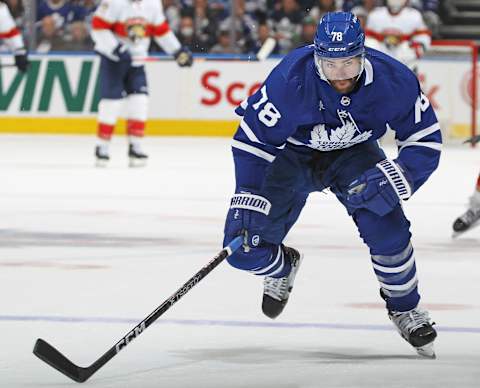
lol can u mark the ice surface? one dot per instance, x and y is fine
(87, 253)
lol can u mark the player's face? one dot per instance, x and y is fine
(341, 73)
(338, 69)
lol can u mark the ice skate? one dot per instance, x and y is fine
(277, 290)
(137, 158)
(101, 156)
(415, 327)
(467, 220)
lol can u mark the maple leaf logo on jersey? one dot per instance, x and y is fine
(345, 136)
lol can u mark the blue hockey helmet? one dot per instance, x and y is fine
(339, 36)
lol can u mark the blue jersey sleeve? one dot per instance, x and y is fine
(418, 136)
(264, 128)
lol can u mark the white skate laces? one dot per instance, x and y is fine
(277, 288)
(276, 291)
(416, 328)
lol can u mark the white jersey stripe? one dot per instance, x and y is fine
(253, 150)
(273, 264)
(420, 134)
(248, 131)
(432, 145)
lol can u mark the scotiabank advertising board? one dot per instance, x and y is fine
(67, 87)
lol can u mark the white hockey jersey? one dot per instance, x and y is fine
(9, 32)
(132, 23)
(403, 36)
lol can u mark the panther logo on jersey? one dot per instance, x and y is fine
(136, 27)
(345, 136)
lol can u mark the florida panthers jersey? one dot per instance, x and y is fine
(132, 23)
(403, 36)
(294, 105)
(8, 29)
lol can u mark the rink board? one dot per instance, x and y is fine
(60, 95)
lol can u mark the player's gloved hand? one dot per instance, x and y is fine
(184, 57)
(21, 60)
(380, 188)
(247, 216)
(121, 54)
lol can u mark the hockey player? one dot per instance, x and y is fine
(471, 217)
(314, 124)
(122, 30)
(13, 38)
(399, 31)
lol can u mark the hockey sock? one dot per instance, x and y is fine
(104, 131)
(135, 128)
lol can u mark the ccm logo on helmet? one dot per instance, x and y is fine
(337, 49)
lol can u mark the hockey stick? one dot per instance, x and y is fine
(57, 360)
(7, 65)
(473, 140)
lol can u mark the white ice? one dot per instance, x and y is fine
(87, 253)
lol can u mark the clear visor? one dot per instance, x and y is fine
(336, 69)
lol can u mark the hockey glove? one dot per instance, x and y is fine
(121, 54)
(183, 57)
(247, 216)
(380, 188)
(21, 60)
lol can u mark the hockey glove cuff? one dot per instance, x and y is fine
(183, 57)
(247, 216)
(21, 60)
(380, 188)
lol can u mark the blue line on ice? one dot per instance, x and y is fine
(206, 322)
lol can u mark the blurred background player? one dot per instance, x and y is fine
(398, 30)
(471, 217)
(306, 130)
(12, 37)
(122, 31)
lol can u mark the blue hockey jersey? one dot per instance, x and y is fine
(294, 105)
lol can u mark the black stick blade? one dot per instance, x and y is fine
(47, 353)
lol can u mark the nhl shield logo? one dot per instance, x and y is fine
(345, 101)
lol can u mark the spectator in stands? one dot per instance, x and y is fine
(321, 7)
(263, 33)
(245, 27)
(172, 13)
(256, 9)
(363, 9)
(62, 26)
(287, 24)
(224, 45)
(187, 36)
(205, 22)
(309, 27)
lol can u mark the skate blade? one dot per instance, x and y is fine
(427, 351)
(102, 163)
(135, 162)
